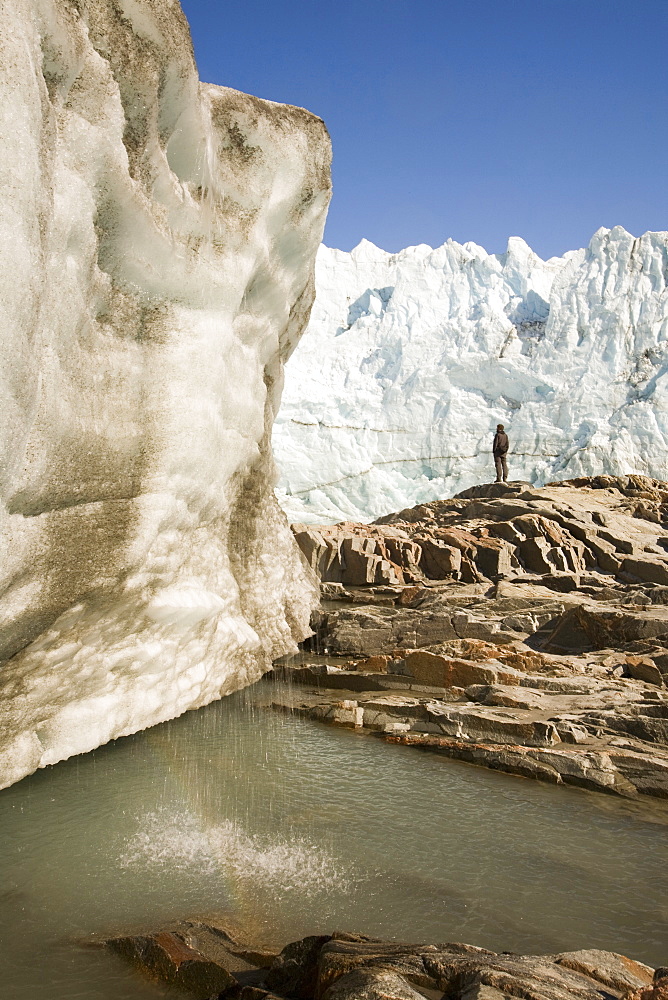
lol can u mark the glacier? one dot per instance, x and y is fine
(157, 243)
(411, 359)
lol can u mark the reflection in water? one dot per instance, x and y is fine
(282, 827)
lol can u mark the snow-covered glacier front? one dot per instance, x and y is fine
(157, 239)
(411, 359)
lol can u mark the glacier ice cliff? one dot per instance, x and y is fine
(157, 241)
(411, 359)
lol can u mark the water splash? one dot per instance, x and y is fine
(176, 839)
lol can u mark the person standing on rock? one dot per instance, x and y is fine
(500, 450)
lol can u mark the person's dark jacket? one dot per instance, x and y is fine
(500, 446)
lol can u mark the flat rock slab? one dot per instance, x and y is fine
(602, 733)
(612, 770)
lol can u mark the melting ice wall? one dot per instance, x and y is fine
(157, 239)
(412, 359)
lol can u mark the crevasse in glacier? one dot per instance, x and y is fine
(411, 359)
(157, 238)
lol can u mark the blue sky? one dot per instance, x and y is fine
(471, 119)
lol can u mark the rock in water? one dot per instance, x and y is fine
(346, 966)
(158, 238)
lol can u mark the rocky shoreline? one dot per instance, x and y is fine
(519, 629)
(206, 962)
(516, 628)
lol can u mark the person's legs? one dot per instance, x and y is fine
(505, 468)
(499, 462)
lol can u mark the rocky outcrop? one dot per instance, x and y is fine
(556, 668)
(158, 238)
(352, 966)
(561, 532)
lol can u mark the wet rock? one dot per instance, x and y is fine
(347, 953)
(221, 947)
(196, 958)
(167, 957)
(239, 992)
(295, 971)
(612, 770)
(647, 773)
(658, 991)
(344, 966)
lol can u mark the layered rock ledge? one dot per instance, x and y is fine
(522, 629)
(207, 962)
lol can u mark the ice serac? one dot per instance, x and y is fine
(411, 359)
(157, 240)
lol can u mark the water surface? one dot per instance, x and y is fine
(283, 827)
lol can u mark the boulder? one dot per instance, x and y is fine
(363, 561)
(643, 668)
(165, 956)
(295, 971)
(493, 557)
(463, 972)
